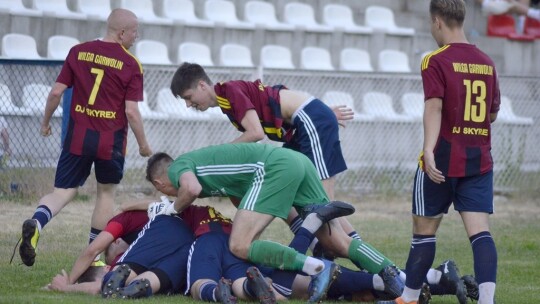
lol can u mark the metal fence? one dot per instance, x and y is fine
(381, 149)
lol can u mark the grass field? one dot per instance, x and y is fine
(385, 223)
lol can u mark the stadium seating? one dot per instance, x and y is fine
(505, 26)
(58, 8)
(16, 7)
(276, 57)
(195, 52)
(224, 11)
(355, 60)
(147, 112)
(19, 46)
(506, 114)
(184, 11)
(58, 46)
(532, 27)
(379, 105)
(382, 18)
(393, 61)
(99, 9)
(315, 58)
(341, 16)
(302, 15)
(152, 52)
(235, 55)
(336, 98)
(144, 9)
(264, 13)
(35, 97)
(7, 107)
(413, 105)
(176, 107)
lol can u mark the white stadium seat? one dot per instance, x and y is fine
(183, 11)
(341, 16)
(35, 97)
(393, 61)
(223, 11)
(355, 60)
(58, 46)
(19, 46)
(302, 15)
(336, 98)
(144, 9)
(235, 55)
(315, 58)
(264, 13)
(506, 114)
(379, 105)
(7, 107)
(16, 7)
(195, 53)
(100, 9)
(276, 57)
(147, 112)
(413, 105)
(382, 18)
(58, 8)
(152, 52)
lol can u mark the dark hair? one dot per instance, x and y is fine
(156, 165)
(186, 77)
(451, 11)
(91, 274)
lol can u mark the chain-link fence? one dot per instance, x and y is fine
(381, 150)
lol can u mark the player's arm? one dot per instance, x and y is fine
(252, 126)
(136, 125)
(189, 190)
(53, 100)
(432, 127)
(342, 113)
(492, 117)
(61, 283)
(102, 241)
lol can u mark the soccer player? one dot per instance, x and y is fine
(269, 181)
(305, 124)
(107, 83)
(462, 99)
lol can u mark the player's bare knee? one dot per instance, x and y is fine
(238, 248)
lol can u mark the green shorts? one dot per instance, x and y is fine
(287, 179)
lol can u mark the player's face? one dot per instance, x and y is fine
(197, 97)
(129, 35)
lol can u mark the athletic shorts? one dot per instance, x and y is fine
(210, 258)
(473, 193)
(73, 170)
(287, 179)
(162, 244)
(317, 136)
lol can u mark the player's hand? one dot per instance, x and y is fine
(45, 130)
(145, 151)
(431, 170)
(156, 208)
(168, 207)
(343, 113)
(59, 282)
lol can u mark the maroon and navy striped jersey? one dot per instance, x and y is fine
(466, 80)
(236, 97)
(103, 76)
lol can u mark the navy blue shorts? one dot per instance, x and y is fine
(210, 258)
(473, 193)
(73, 170)
(317, 137)
(163, 244)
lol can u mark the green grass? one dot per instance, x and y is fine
(385, 224)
